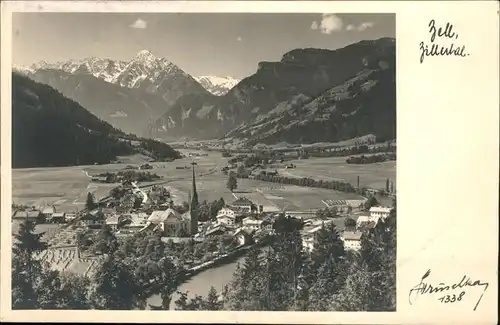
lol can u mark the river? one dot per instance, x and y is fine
(200, 283)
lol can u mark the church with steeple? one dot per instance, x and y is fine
(194, 206)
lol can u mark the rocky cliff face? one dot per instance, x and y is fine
(319, 84)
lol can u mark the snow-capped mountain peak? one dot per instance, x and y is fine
(145, 71)
(145, 67)
(145, 54)
(21, 69)
(217, 85)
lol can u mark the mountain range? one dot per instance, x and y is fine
(129, 95)
(310, 95)
(218, 86)
(49, 129)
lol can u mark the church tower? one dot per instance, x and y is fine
(193, 206)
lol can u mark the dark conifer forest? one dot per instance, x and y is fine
(49, 129)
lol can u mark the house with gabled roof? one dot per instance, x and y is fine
(244, 205)
(366, 222)
(352, 240)
(31, 215)
(48, 211)
(169, 222)
(381, 212)
(226, 216)
(244, 236)
(58, 217)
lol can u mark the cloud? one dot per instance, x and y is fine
(332, 23)
(238, 39)
(361, 27)
(329, 23)
(365, 25)
(139, 24)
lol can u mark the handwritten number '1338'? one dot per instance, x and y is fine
(450, 299)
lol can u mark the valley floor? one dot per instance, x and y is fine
(67, 187)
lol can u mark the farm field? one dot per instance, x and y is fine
(335, 168)
(274, 197)
(64, 187)
(67, 187)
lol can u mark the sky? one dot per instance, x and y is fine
(220, 44)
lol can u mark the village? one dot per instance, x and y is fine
(131, 210)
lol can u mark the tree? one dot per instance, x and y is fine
(387, 185)
(350, 223)
(378, 250)
(371, 202)
(115, 287)
(64, 291)
(215, 207)
(169, 281)
(328, 245)
(252, 284)
(182, 302)
(111, 178)
(355, 295)
(212, 301)
(290, 260)
(232, 182)
(137, 202)
(241, 170)
(26, 269)
(117, 192)
(329, 281)
(106, 242)
(90, 204)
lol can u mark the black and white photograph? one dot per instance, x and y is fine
(203, 161)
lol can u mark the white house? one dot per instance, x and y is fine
(58, 217)
(309, 237)
(226, 216)
(352, 240)
(137, 222)
(244, 236)
(48, 211)
(381, 212)
(367, 220)
(256, 224)
(70, 216)
(244, 205)
(308, 242)
(112, 221)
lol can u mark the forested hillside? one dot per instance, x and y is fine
(49, 129)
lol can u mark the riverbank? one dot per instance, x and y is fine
(199, 279)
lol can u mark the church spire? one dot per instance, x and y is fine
(194, 182)
(193, 207)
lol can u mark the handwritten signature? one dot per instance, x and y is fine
(423, 288)
(435, 49)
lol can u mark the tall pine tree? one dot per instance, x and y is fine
(26, 269)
